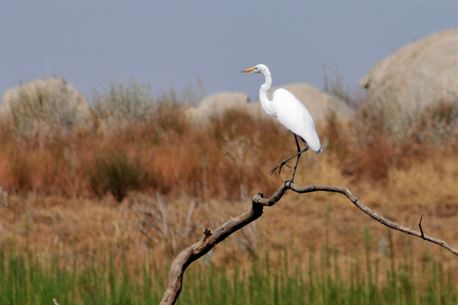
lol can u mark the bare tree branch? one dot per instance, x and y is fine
(391, 224)
(210, 239)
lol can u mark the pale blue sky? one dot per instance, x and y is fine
(176, 44)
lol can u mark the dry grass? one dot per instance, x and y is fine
(174, 155)
(62, 187)
(87, 228)
(135, 142)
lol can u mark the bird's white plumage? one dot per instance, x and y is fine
(287, 109)
(292, 114)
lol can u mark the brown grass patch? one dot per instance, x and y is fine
(62, 187)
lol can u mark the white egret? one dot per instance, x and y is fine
(291, 113)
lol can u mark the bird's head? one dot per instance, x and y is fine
(256, 69)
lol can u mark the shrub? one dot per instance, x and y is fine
(116, 173)
(44, 105)
(437, 124)
(21, 173)
(123, 104)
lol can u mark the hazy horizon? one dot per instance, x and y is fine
(176, 45)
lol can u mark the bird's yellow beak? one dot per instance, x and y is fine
(249, 70)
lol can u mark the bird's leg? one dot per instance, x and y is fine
(297, 158)
(282, 163)
(285, 161)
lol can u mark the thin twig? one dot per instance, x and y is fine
(164, 216)
(188, 225)
(421, 229)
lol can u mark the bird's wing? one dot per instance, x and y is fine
(292, 114)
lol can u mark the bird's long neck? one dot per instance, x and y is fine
(264, 90)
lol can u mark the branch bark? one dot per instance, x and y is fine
(210, 238)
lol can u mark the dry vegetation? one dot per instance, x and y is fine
(144, 179)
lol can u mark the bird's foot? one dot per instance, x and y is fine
(288, 183)
(279, 167)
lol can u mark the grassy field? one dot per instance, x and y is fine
(142, 180)
(366, 280)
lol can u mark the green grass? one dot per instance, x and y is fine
(24, 280)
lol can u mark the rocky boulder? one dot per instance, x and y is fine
(417, 75)
(319, 103)
(217, 104)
